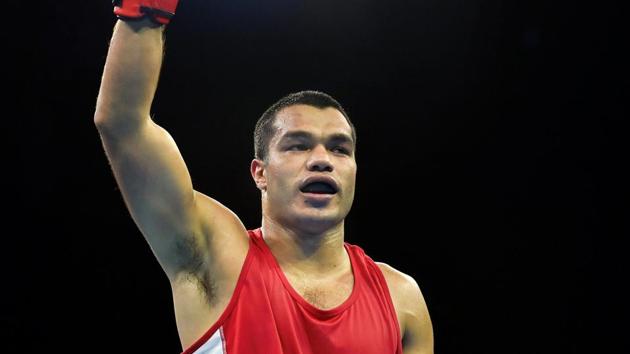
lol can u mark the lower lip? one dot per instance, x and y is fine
(318, 196)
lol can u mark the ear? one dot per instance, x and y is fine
(257, 169)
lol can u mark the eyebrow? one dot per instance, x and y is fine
(304, 135)
(340, 138)
(298, 134)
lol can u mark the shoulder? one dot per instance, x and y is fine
(395, 276)
(404, 289)
(220, 224)
(411, 309)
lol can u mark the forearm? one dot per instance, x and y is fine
(131, 74)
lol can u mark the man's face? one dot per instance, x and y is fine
(309, 176)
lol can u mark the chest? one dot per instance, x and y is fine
(364, 328)
(323, 294)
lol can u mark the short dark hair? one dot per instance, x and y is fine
(264, 130)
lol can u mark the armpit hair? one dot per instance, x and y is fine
(193, 266)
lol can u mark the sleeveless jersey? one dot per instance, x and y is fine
(267, 316)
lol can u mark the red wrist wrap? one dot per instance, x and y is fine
(160, 11)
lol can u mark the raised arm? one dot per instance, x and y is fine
(185, 229)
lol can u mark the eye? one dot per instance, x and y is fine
(297, 147)
(341, 150)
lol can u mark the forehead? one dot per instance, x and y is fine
(320, 122)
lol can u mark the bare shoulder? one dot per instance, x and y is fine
(411, 309)
(223, 231)
(399, 283)
(404, 289)
(219, 222)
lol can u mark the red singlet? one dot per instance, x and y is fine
(267, 316)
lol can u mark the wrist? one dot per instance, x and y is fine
(138, 24)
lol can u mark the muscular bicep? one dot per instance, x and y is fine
(158, 192)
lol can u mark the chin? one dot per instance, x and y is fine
(317, 221)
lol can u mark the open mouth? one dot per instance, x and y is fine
(319, 188)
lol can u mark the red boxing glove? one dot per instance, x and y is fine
(160, 11)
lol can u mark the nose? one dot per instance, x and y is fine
(319, 160)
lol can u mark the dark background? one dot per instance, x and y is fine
(491, 153)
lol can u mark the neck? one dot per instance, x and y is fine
(306, 252)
